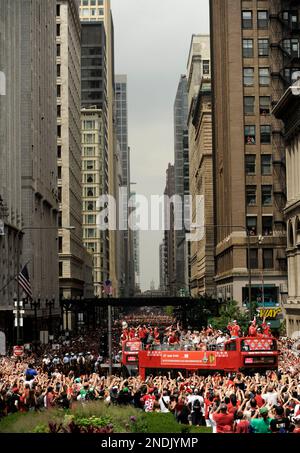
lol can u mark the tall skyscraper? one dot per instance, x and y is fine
(28, 172)
(121, 115)
(162, 264)
(169, 234)
(249, 167)
(94, 103)
(181, 169)
(93, 163)
(72, 255)
(200, 158)
(94, 13)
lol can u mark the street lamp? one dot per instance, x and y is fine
(50, 304)
(21, 231)
(34, 305)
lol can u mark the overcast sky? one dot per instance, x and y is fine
(152, 41)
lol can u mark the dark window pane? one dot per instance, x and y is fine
(267, 225)
(248, 48)
(266, 195)
(250, 135)
(250, 161)
(251, 224)
(268, 259)
(249, 105)
(247, 20)
(265, 134)
(262, 19)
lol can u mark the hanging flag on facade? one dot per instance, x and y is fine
(24, 282)
(108, 287)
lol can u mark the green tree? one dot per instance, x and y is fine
(228, 312)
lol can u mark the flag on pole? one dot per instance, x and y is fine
(108, 287)
(24, 282)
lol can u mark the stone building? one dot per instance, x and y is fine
(248, 151)
(200, 161)
(288, 110)
(71, 250)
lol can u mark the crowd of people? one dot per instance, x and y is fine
(232, 403)
(205, 339)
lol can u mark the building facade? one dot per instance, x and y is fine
(248, 152)
(121, 116)
(169, 234)
(288, 110)
(28, 173)
(95, 13)
(181, 169)
(71, 251)
(10, 152)
(200, 162)
(93, 186)
(162, 264)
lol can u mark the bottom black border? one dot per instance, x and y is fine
(85, 443)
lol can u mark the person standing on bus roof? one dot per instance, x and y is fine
(266, 328)
(253, 329)
(235, 330)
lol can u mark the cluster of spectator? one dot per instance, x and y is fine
(205, 339)
(232, 403)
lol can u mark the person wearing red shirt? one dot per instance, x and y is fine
(156, 335)
(148, 401)
(235, 329)
(132, 333)
(266, 329)
(125, 335)
(241, 425)
(173, 339)
(259, 399)
(253, 329)
(223, 419)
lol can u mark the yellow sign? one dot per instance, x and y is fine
(269, 312)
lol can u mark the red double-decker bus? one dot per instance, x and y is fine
(246, 354)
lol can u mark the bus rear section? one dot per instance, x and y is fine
(258, 354)
(130, 357)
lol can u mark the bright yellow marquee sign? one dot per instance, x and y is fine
(269, 312)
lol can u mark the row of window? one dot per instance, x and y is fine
(248, 48)
(263, 76)
(266, 224)
(91, 2)
(262, 19)
(265, 134)
(85, 12)
(266, 195)
(267, 259)
(291, 47)
(265, 164)
(264, 105)
(89, 124)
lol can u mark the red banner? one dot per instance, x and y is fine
(191, 358)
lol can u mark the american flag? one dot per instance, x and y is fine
(23, 280)
(108, 287)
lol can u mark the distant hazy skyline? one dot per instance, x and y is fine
(152, 41)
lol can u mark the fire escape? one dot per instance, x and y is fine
(285, 69)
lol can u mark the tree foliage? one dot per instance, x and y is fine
(228, 312)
